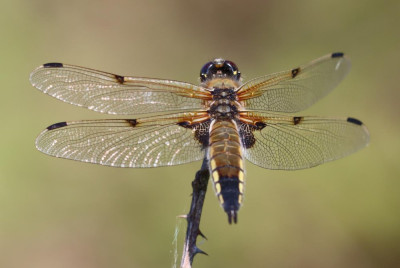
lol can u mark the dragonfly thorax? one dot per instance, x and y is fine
(224, 105)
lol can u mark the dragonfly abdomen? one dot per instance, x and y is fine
(226, 165)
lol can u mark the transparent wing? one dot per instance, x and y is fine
(301, 142)
(115, 94)
(296, 89)
(147, 142)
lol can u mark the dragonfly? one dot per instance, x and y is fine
(222, 120)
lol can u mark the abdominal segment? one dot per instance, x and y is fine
(226, 165)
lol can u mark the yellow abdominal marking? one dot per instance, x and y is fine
(213, 164)
(221, 199)
(241, 187)
(215, 176)
(217, 187)
(241, 164)
(241, 175)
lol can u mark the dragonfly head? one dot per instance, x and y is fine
(219, 68)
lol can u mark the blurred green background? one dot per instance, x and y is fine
(59, 213)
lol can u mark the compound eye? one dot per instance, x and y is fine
(231, 64)
(233, 69)
(204, 72)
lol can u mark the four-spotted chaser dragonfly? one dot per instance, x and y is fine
(221, 118)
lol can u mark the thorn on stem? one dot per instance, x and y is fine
(197, 250)
(202, 235)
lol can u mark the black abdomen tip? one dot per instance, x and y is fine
(337, 55)
(232, 216)
(53, 65)
(354, 121)
(57, 125)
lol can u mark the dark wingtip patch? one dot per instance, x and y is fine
(120, 79)
(295, 72)
(53, 65)
(297, 120)
(337, 55)
(132, 122)
(354, 121)
(57, 125)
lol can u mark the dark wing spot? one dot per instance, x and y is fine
(260, 125)
(201, 131)
(337, 55)
(295, 72)
(132, 122)
(53, 65)
(185, 124)
(120, 79)
(297, 120)
(246, 133)
(57, 125)
(354, 121)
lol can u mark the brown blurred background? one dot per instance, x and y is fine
(58, 213)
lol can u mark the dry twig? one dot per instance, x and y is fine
(199, 186)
